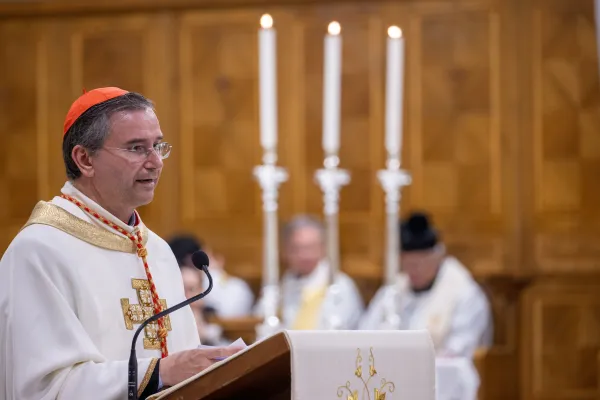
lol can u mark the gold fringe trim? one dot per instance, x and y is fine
(147, 376)
(46, 213)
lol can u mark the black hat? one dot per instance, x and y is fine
(416, 233)
(184, 246)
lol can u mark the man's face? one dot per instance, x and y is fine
(124, 177)
(421, 266)
(304, 250)
(192, 283)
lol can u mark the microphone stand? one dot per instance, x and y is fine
(132, 385)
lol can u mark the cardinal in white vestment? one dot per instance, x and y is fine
(231, 297)
(436, 292)
(308, 303)
(85, 271)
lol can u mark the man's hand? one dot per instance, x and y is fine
(178, 367)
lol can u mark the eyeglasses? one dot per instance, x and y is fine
(140, 153)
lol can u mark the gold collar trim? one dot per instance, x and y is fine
(46, 213)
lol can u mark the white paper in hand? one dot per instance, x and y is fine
(238, 343)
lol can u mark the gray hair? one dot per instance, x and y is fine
(92, 127)
(299, 222)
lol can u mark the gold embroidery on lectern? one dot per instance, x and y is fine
(379, 393)
(135, 314)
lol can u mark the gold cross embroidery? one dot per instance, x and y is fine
(138, 313)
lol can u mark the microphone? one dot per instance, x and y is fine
(200, 261)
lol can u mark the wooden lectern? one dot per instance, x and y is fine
(303, 365)
(261, 372)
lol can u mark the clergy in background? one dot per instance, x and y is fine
(210, 334)
(306, 302)
(437, 293)
(85, 271)
(231, 297)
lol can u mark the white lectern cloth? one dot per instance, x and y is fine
(346, 364)
(355, 365)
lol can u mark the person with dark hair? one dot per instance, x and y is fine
(84, 271)
(183, 246)
(437, 293)
(231, 297)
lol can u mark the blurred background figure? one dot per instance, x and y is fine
(210, 334)
(437, 293)
(305, 300)
(231, 297)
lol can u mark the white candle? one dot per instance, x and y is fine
(332, 89)
(394, 91)
(268, 86)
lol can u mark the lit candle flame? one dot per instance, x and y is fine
(394, 32)
(266, 21)
(334, 28)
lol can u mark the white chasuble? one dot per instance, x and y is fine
(72, 293)
(307, 304)
(455, 311)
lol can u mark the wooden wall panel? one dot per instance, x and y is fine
(566, 145)
(561, 323)
(361, 147)
(502, 114)
(559, 310)
(456, 151)
(219, 200)
(452, 127)
(21, 123)
(86, 53)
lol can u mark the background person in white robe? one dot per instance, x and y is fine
(231, 297)
(210, 334)
(306, 304)
(436, 293)
(71, 282)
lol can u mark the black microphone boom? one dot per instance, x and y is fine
(200, 260)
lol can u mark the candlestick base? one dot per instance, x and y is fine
(269, 177)
(269, 327)
(331, 179)
(271, 323)
(392, 180)
(391, 319)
